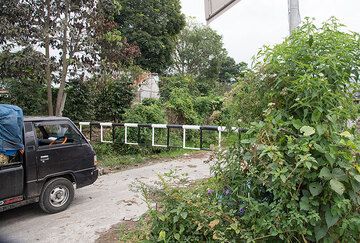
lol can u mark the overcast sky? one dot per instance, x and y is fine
(252, 23)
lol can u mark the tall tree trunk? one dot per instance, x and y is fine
(48, 62)
(61, 96)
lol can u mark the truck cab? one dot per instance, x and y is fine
(55, 159)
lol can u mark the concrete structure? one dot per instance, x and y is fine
(147, 86)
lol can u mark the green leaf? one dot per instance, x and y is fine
(357, 178)
(304, 203)
(315, 188)
(184, 215)
(330, 159)
(319, 148)
(283, 178)
(346, 134)
(177, 236)
(308, 164)
(307, 131)
(162, 235)
(320, 232)
(320, 129)
(315, 117)
(325, 173)
(297, 123)
(339, 174)
(330, 218)
(337, 186)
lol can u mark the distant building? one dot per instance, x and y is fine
(147, 86)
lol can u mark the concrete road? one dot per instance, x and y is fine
(95, 208)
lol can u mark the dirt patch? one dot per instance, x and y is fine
(112, 235)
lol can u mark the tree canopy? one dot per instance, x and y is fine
(153, 25)
(200, 52)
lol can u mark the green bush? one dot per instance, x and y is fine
(295, 175)
(113, 98)
(180, 107)
(205, 106)
(245, 102)
(148, 112)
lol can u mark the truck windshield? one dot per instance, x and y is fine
(56, 134)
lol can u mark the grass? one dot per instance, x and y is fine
(124, 157)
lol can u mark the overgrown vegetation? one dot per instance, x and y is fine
(118, 159)
(295, 174)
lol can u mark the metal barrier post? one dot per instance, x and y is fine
(102, 125)
(126, 125)
(189, 127)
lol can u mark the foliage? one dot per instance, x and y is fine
(184, 102)
(83, 34)
(15, 26)
(180, 108)
(153, 25)
(114, 97)
(179, 216)
(230, 71)
(150, 111)
(200, 53)
(80, 101)
(112, 157)
(22, 75)
(209, 108)
(295, 175)
(245, 102)
(170, 83)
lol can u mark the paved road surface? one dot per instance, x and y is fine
(95, 208)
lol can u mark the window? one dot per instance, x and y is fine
(56, 134)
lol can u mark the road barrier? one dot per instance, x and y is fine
(154, 127)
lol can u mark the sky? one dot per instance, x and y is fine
(253, 23)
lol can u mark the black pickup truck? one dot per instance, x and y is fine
(55, 158)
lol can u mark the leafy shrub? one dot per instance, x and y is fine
(148, 112)
(245, 102)
(180, 107)
(205, 106)
(168, 84)
(295, 175)
(114, 96)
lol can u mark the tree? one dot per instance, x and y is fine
(230, 71)
(79, 32)
(80, 105)
(15, 27)
(153, 25)
(113, 98)
(199, 52)
(22, 75)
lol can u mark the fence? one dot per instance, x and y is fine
(103, 125)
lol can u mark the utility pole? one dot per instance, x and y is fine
(294, 14)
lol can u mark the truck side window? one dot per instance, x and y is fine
(56, 134)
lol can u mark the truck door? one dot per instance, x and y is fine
(59, 150)
(11, 178)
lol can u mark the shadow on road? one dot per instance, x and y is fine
(21, 212)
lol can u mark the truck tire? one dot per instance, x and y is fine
(57, 195)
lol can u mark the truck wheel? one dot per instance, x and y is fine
(57, 195)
